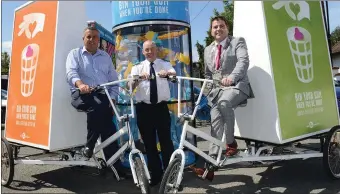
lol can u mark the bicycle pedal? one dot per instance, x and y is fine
(208, 175)
(230, 157)
(115, 172)
(205, 173)
(238, 154)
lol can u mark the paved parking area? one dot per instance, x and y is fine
(294, 176)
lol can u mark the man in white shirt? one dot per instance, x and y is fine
(152, 111)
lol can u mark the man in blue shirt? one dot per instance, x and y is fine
(87, 67)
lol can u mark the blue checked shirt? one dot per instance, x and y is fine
(92, 70)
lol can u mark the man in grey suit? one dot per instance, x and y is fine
(226, 61)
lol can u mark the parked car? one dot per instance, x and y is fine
(3, 105)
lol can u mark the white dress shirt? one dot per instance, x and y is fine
(143, 89)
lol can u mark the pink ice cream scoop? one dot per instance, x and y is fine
(298, 35)
(29, 52)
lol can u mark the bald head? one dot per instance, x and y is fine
(149, 43)
(150, 50)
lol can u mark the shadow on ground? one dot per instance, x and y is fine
(294, 176)
(76, 180)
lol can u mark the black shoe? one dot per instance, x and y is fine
(180, 188)
(87, 152)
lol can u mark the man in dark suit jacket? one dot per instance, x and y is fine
(226, 60)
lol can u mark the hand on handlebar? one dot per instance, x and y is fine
(163, 74)
(84, 88)
(227, 81)
(168, 75)
(144, 76)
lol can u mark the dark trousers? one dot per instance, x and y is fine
(99, 120)
(152, 119)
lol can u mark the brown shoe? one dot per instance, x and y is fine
(200, 171)
(231, 149)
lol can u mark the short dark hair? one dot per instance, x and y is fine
(91, 28)
(219, 18)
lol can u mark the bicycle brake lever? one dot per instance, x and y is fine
(171, 78)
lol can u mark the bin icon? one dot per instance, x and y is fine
(29, 63)
(300, 44)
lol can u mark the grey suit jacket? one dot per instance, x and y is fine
(234, 63)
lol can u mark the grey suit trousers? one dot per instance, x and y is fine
(223, 117)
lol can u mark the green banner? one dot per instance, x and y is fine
(301, 67)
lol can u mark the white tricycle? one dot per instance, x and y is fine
(256, 151)
(74, 157)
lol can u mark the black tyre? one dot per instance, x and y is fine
(170, 177)
(16, 150)
(7, 163)
(143, 182)
(331, 153)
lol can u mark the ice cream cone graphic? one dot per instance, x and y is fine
(300, 44)
(29, 63)
(300, 41)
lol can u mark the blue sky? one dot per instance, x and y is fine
(100, 11)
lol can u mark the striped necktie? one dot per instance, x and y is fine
(218, 58)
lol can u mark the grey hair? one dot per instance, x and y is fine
(91, 28)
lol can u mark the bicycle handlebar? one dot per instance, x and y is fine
(205, 81)
(104, 87)
(169, 77)
(172, 78)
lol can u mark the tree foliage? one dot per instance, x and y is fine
(5, 60)
(228, 14)
(200, 51)
(335, 36)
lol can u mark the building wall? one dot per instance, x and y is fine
(336, 65)
(336, 60)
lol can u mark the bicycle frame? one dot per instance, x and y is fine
(126, 129)
(101, 145)
(187, 128)
(252, 155)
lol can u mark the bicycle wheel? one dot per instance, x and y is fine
(7, 163)
(143, 182)
(331, 153)
(168, 184)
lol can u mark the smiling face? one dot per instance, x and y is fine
(91, 40)
(219, 30)
(150, 50)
